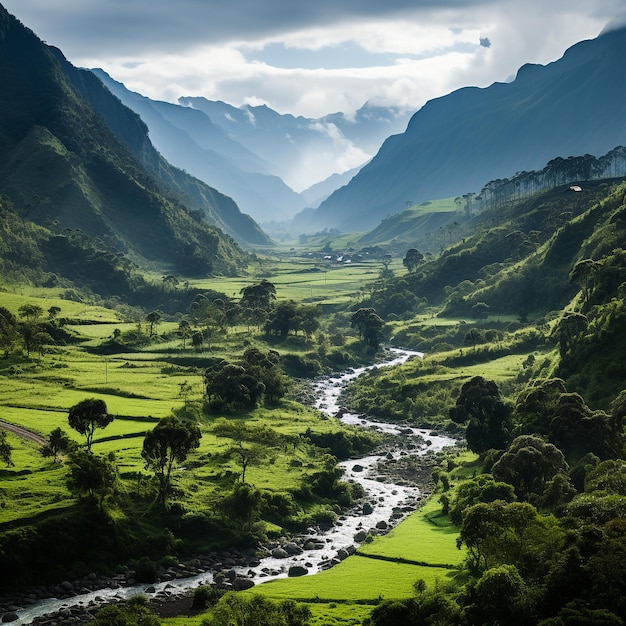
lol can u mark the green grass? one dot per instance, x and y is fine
(356, 578)
(14, 298)
(422, 547)
(426, 537)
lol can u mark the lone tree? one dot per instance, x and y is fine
(169, 443)
(91, 476)
(58, 443)
(412, 259)
(369, 325)
(87, 416)
(154, 319)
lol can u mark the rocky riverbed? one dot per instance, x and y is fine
(396, 478)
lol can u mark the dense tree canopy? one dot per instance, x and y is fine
(487, 416)
(369, 326)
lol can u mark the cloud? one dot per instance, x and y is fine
(312, 58)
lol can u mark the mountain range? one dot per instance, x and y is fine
(256, 155)
(457, 143)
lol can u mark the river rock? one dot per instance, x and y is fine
(280, 553)
(342, 554)
(297, 570)
(292, 548)
(361, 536)
(382, 525)
(367, 509)
(241, 584)
(10, 617)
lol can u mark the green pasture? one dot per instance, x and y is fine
(305, 279)
(49, 297)
(33, 486)
(425, 537)
(356, 578)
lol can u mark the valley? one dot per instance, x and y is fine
(403, 405)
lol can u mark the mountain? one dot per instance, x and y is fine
(318, 192)
(72, 156)
(456, 143)
(188, 139)
(303, 151)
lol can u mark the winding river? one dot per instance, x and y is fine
(387, 503)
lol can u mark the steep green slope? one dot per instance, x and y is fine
(62, 166)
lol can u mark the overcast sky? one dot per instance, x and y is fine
(312, 57)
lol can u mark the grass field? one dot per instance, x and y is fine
(345, 594)
(141, 387)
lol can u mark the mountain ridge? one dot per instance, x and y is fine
(456, 143)
(64, 167)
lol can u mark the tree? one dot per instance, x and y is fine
(154, 319)
(90, 476)
(247, 455)
(256, 610)
(87, 416)
(583, 273)
(8, 329)
(529, 464)
(167, 444)
(569, 328)
(135, 612)
(58, 443)
(185, 331)
(30, 312)
(482, 488)
(5, 449)
(487, 416)
(258, 296)
(233, 387)
(501, 597)
(29, 328)
(369, 326)
(412, 259)
(53, 312)
(514, 533)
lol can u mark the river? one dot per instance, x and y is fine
(387, 503)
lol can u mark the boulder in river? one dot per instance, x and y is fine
(241, 584)
(280, 553)
(297, 570)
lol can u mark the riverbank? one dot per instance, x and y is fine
(397, 479)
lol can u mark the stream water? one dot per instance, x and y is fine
(387, 502)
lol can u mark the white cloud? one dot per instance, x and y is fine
(412, 50)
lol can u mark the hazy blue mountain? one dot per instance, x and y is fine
(317, 193)
(303, 150)
(188, 138)
(457, 143)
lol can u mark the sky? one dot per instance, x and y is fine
(317, 56)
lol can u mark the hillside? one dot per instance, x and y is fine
(63, 167)
(188, 138)
(454, 144)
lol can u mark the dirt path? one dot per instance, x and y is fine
(24, 433)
